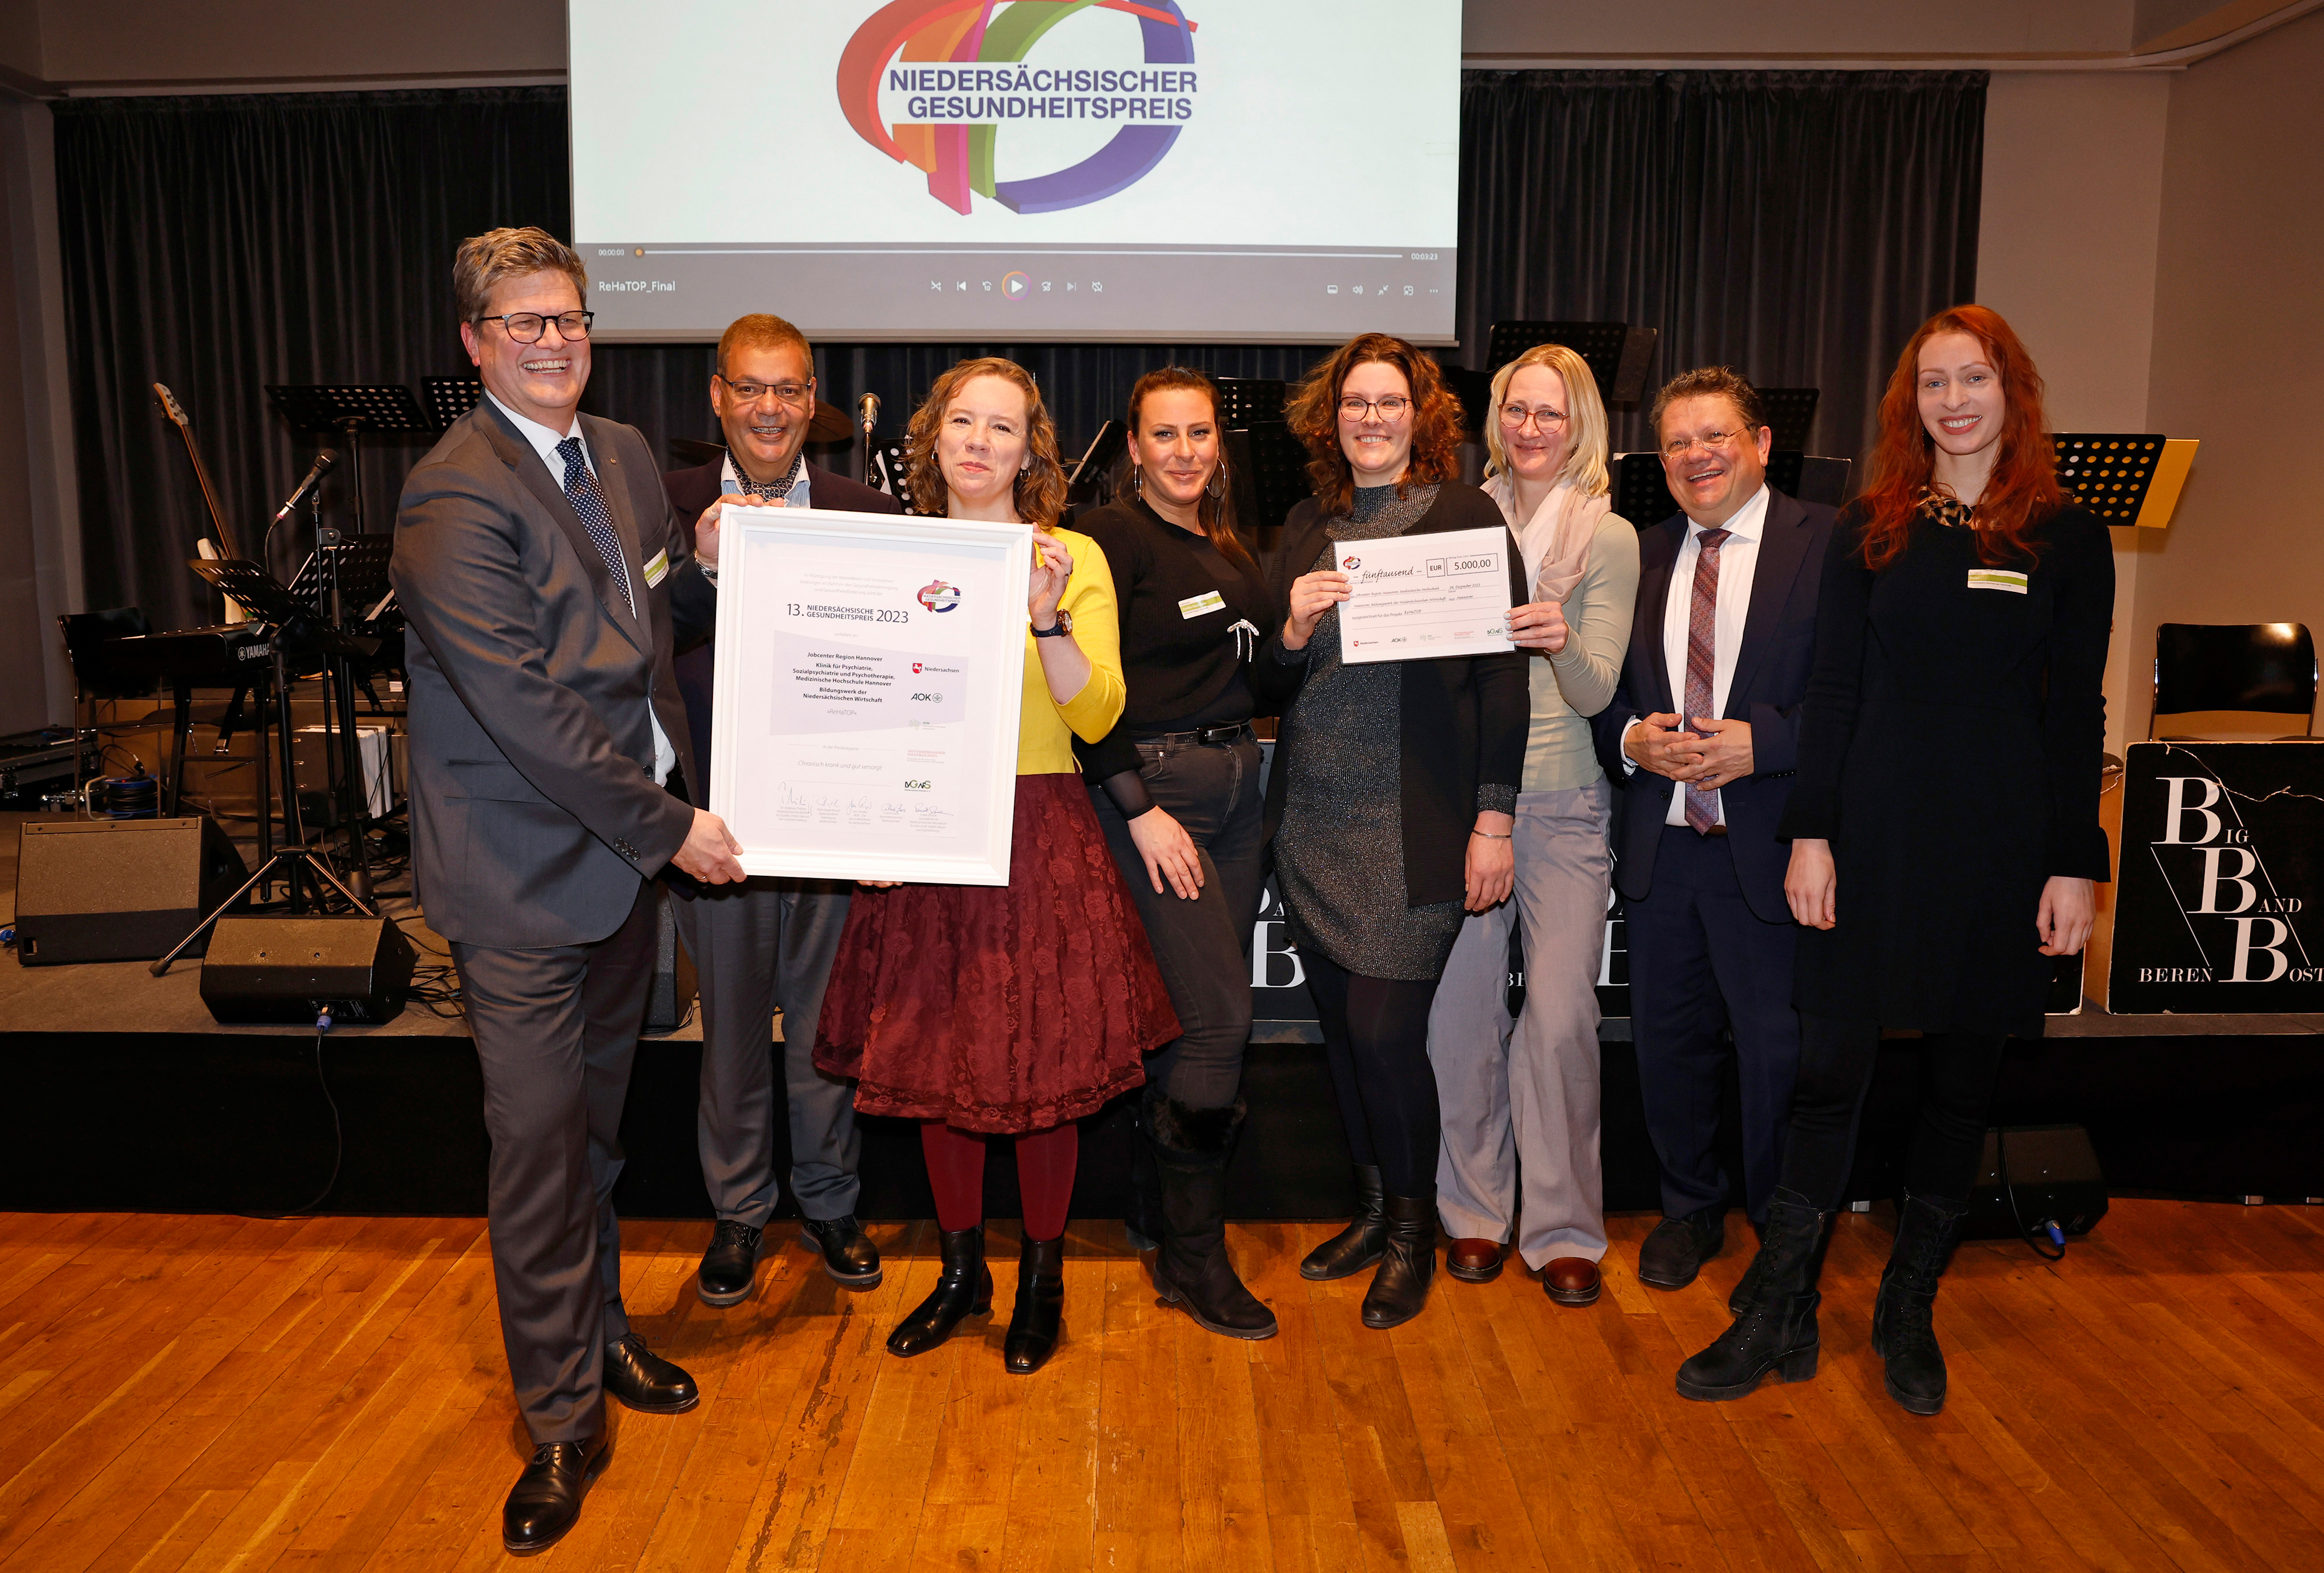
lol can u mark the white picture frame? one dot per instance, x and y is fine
(869, 673)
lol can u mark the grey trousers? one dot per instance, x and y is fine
(1520, 1097)
(763, 945)
(556, 1032)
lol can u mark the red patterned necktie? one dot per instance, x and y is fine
(1702, 660)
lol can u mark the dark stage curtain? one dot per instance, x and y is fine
(1796, 225)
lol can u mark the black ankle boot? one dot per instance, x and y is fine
(1776, 1329)
(1039, 1315)
(1903, 1324)
(1192, 1147)
(964, 1289)
(1357, 1246)
(1400, 1288)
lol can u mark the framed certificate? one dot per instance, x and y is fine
(1446, 594)
(869, 671)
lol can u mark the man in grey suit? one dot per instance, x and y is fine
(541, 567)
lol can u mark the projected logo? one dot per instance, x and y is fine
(934, 83)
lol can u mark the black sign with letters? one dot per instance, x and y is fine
(2219, 878)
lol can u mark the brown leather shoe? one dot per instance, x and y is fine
(1571, 1280)
(1474, 1261)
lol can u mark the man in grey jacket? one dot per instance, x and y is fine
(542, 570)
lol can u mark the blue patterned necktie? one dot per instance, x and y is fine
(581, 491)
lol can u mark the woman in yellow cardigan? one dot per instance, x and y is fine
(1012, 1010)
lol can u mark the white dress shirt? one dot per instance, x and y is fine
(544, 442)
(1739, 559)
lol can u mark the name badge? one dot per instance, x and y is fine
(1202, 605)
(1996, 579)
(657, 568)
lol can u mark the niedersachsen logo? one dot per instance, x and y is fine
(954, 70)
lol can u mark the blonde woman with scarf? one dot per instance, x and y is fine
(1520, 1096)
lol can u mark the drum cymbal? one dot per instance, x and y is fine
(829, 424)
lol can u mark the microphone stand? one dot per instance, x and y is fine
(867, 413)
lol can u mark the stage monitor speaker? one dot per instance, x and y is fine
(117, 890)
(286, 968)
(2051, 1172)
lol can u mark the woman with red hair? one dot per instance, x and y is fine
(1944, 826)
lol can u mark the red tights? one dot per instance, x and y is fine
(1045, 1176)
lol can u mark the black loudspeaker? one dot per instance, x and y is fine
(286, 968)
(117, 890)
(2049, 1173)
(672, 994)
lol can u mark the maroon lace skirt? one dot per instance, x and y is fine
(1003, 1009)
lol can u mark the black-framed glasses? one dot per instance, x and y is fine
(1545, 419)
(527, 326)
(1391, 408)
(797, 395)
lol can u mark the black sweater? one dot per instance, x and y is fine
(1182, 671)
(1464, 717)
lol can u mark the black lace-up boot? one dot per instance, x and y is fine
(1776, 1329)
(1903, 1325)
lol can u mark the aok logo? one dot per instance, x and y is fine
(931, 83)
(938, 596)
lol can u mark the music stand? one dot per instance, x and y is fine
(1247, 401)
(1093, 469)
(350, 410)
(1617, 353)
(2124, 478)
(1267, 468)
(450, 398)
(1791, 411)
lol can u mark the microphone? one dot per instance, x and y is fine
(323, 461)
(867, 413)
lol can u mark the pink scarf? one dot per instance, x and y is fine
(1556, 540)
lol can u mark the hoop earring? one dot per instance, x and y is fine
(1137, 481)
(1218, 483)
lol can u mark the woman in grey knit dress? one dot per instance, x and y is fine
(1391, 801)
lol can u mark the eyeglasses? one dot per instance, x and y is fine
(797, 395)
(1710, 442)
(1545, 419)
(527, 326)
(1391, 408)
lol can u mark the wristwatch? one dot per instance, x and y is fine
(1064, 625)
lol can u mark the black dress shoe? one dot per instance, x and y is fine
(546, 1500)
(729, 1265)
(1679, 1246)
(646, 1381)
(848, 1253)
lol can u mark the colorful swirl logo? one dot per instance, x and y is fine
(962, 63)
(938, 596)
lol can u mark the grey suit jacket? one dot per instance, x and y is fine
(534, 810)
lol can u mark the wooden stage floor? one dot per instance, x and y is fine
(217, 1392)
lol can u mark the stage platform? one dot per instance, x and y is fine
(213, 1393)
(136, 1099)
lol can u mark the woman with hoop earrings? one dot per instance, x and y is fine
(1175, 787)
(1012, 1011)
(1521, 1096)
(1392, 796)
(1944, 828)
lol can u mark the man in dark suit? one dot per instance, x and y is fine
(542, 570)
(767, 943)
(1701, 737)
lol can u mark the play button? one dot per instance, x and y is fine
(1016, 286)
